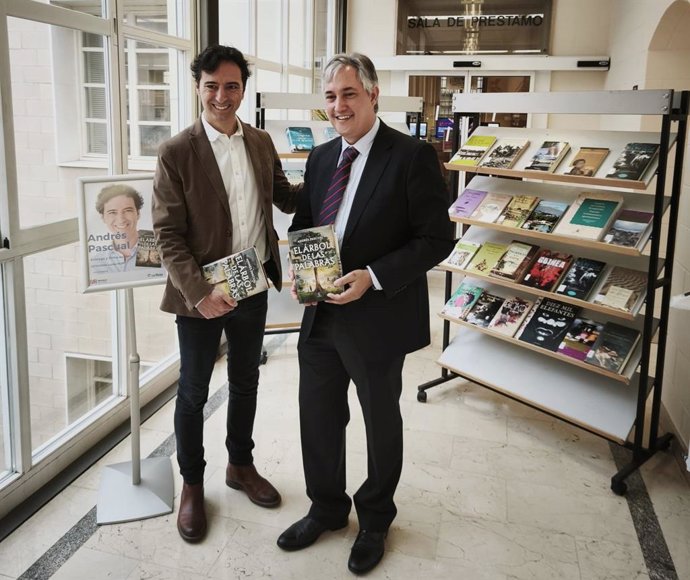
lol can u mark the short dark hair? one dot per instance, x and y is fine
(209, 59)
(111, 191)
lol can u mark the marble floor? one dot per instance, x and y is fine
(490, 489)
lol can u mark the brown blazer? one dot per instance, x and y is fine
(191, 214)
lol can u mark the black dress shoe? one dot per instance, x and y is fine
(304, 533)
(367, 551)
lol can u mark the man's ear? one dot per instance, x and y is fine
(374, 95)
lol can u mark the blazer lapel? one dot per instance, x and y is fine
(376, 163)
(202, 148)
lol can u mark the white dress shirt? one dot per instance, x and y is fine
(364, 147)
(248, 225)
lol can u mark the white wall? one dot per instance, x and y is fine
(622, 29)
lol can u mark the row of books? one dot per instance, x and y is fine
(546, 323)
(301, 139)
(551, 271)
(597, 215)
(488, 151)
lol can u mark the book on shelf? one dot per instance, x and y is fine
(545, 216)
(484, 309)
(634, 161)
(613, 348)
(581, 278)
(587, 161)
(590, 215)
(462, 300)
(238, 275)
(491, 207)
(462, 253)
(622, 288)
(505, 153)
(466, 203)
(515, 262)
(315, 258)
(631, 229)
(294, 176)
(486, 258)
(580, 338)
(547, 269)
(330, 133)
(547, 323)
(473, 150)
(147, 251)
(517, 211)
(300, 139)
(548, 156)
(510, 315)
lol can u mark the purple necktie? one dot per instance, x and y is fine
(336, 190)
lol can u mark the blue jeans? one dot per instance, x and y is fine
(199, 340)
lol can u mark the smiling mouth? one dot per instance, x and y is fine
(222, 108)
(343, 117)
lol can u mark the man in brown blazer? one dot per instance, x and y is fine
(214, 188)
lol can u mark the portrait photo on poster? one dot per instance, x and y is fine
(118, 249)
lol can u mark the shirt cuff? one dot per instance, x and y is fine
(374, 279)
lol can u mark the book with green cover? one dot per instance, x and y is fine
(315, 258)
(462, 300)
(300, 139)
(238, 275)
(590, 216)
(473, 151)
(486, 258)
(462, 254)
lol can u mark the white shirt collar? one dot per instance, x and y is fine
(212, 133)
(365, 142)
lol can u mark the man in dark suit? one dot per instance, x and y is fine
(392, 224)
(213, 192)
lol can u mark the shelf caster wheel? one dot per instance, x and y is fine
(421, 396)
(264, 358)
(619, 487)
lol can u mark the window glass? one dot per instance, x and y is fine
(68, 340)
(156, 333)
(152, 116)
(299, 47)
(60, 112)
(165, 16)
(93, 7)
(5, 450)
(234, 14)
(269, 36)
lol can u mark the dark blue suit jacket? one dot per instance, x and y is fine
(398, 226)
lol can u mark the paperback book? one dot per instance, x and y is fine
(330, 133)
(484, 310)
(580, 338)
(622, 289)
(515, 262)
(505, 154)
(548, 156)
(547, 269)
(466, 203)
(487, 257)
(634, 161)
(547, 323)
(300, 139)
(613, 348)
(462, 253)
(462, 301)
(590, 216)
(631, 229)
(147, 251)
(517, 211)
(474, 149)
(545, 216)
(239, 275)
(587, 161)
(491, 207)
(510, 315)
(315, 258)
(581, 278)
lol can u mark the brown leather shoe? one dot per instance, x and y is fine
(191, 518)
(258, 489)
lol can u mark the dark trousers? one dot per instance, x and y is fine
(199, 340)
(328, 359)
